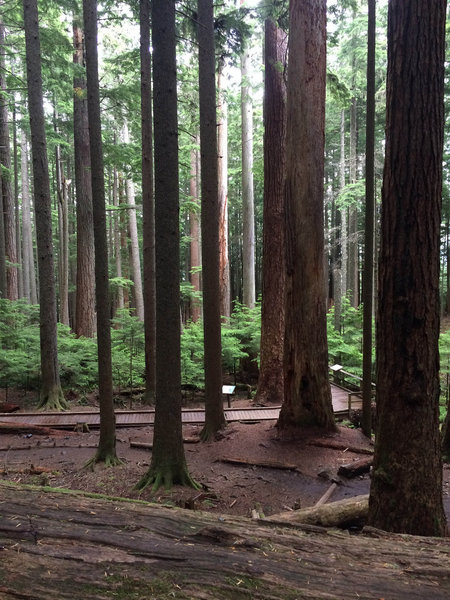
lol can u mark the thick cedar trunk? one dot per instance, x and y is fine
(307, 395)
(222, 174)
(50, 394)
(270, 383)
(248, 209)
(214, 415)
(9, 215)
(194, 222)
(65, 546)
(134, 242)
(406, 490)
(168, 464)
(85, 287)
(148, 212)
(106, 451)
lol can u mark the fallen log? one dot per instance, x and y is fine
(323, 499)
(358, 467)
(343, 513)
(149, 445)
(12, 427)
(340, 446)
(269, 464)
(61, 546)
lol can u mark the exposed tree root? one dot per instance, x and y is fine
(209, 434)
(166, 476)
(52, 400)
(108, 458)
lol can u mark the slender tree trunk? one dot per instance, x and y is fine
(148, 213)
(16, 204)
(195, 255)
(51, 396)
(63, 219)
(106, 451)
(27, 232)
(134, 243)
(214, 415)
(248, 210)
(168, 464)
(369, 224)
(353, 270)
(222, 174)
(85, 285)
(307, 395)
(341, 271)
(6, 179)
(270, 383)
(406, 485)
(2, 246)
(120, 301)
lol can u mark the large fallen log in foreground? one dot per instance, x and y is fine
(63, 546)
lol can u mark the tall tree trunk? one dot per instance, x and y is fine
(353, 270)
(307, 395)
(9, 214)
(51, 396)
(369, 224)
(222, 175)
(168, 464)
(341, 270)
(29, 271)
(2, 246)
(106, 451)
(214, 415)
(16, 204)
(148, 213)
(194, 222)
(63, 219)
(406, 485)
(119, 296)
(270, 383)
(248, 209)
(85, 285)
(134, 242)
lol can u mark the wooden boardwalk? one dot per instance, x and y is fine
(142, 418)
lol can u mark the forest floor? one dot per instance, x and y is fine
(297, 470)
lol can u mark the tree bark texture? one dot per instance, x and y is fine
(406, 490)
(63, 226)
(66, 546)
(222, 174)
(106, 451)
(50, 394)
(248, 202)
(85, 288)
(168, 464)
(214, 415)
(148, 208)
(307, 395)
(270, 382)
(9, 213)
